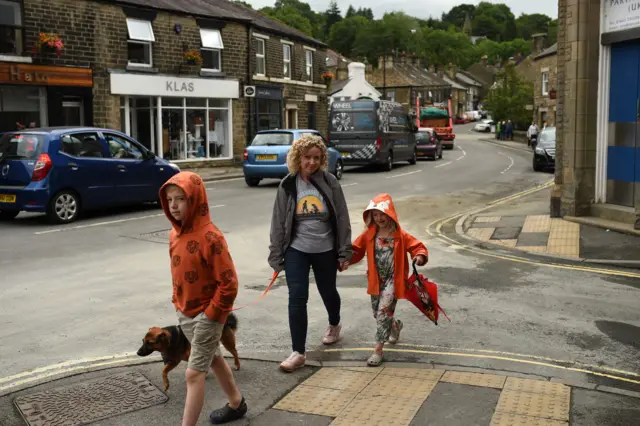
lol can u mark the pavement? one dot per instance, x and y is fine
(76, 300)
(330, 393)
(212, 174)
(525, 225)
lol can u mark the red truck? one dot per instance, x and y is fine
(440, 119)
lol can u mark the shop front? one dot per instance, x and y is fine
(268, 108)
(40, 96)
(618, 134)
(181, 119)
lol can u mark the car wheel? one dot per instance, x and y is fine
(536, 167)
(339, 170)
(388, 166)
(8, 214)
(251, 181)
(414, 159)
(64, 207)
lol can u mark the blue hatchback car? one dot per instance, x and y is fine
(266, 157)
(65, 170)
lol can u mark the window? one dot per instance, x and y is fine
(82, 145)
(269, 114)
(211, 49)
(311, 115)
(11, 31)
(261, 66)
(140, 39)
(273, 139)
(309, 64)
(122, 148)
(21, 146)
(545, 83)
(391, 95)
(286, 59)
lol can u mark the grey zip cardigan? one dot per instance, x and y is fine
(282, 221)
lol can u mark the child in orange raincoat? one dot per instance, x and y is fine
(386, 245)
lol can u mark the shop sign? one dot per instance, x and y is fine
(45, 75)
(265, 92)
(157, 85)
(620, 15)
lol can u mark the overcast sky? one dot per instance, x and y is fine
(425, 8)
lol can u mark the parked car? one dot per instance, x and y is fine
(460, 120)
(266, 157)
(67, 170)
(428, 144)
(484, 126)
(544, 154)
(372, 132)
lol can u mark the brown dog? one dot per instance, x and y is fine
(174, 346)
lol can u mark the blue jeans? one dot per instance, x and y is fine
(297, 266)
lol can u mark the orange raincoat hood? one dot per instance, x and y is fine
(384, 204)
(197, 202)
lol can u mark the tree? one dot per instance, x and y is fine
(457, 15)
(552, 32)
(344, 34)
(532, 24)
(244, 3)
(290, 16)
(333, 16)
(509, 97)
(441, 47)
(351, 12)
(495, 21)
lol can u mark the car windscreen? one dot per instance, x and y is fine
(354, 121)
(547, 138)
(273, 139)
(19, 146)
(423, 137)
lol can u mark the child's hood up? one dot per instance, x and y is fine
(383, 203)
(197, 203)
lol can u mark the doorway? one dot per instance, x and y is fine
(623, 168)
(73, 112)
(292, 118)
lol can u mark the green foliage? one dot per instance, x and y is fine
(290, 16)
(345, 33)
(244, 3)
(509, 98)
(529, 25)
(457, 15)
(443, 47)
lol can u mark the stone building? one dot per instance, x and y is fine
(598, 145)
(124, 65)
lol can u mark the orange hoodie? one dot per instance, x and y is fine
(403, 243)
(204, 277)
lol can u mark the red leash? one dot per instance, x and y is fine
(273, 280)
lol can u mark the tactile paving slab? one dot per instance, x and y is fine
(509, 419)
(341, 379)
(399, 387)
(537, 386)
(534, 404)
(314, 400)
(87, 402)
(414, 373)
(379, 411)
(474, 379)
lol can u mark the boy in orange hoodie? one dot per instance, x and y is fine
(386, 245)
(205, 285)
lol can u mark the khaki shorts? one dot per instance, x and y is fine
(204, 336)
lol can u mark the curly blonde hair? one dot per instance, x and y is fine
(302, 145)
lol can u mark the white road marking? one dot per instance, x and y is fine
(464, 153)
(349, 184)
(111, 222)
(443, 164)
(510, 165)
(404, 174)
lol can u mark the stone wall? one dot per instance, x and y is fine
(541, 101)
(578, 49)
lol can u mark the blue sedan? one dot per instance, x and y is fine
(64, 171)
(266, 157)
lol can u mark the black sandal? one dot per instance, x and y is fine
(227, 414)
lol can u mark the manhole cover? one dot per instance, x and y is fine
(156, 236)
(91, 401)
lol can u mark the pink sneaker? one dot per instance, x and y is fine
(332, 334)
(295, 361)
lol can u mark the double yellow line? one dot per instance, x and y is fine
(435, 231)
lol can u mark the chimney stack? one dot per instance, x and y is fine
(432, 68)
(342, 72)
(537, 42)
(484, 60)
(357, 70)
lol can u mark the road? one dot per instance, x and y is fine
(93, 288)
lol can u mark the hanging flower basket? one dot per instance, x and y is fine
(327, 76)
(50, 42)
(193, 57)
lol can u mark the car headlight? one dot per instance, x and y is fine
(539, 151)
(174, 166)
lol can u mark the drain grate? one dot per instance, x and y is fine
(156, 236)
(91, 401)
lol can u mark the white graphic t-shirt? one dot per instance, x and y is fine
(313, 233)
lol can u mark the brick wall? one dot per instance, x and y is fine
(544, 101)
(275, 64)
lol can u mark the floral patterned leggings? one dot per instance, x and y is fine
(384, 307)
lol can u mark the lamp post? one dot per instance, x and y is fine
(384, 69)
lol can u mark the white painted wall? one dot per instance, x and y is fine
(357, 85)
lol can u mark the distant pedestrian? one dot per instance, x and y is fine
(303, 239)
(386, 246)
(498, 130)
(532, 133)
(509, 130)
(205, 286)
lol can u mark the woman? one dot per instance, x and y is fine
(310, 229)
